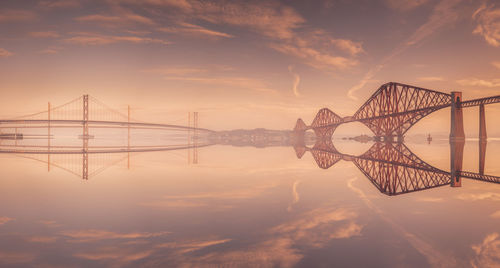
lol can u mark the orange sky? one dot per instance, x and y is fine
(246, 64)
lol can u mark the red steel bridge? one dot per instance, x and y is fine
(391, 167)
(68, 136)
(394, 108)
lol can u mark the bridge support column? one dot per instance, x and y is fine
(482, 139)
(457, 139)
(48, 136)
(456, 160)
(457, 119)
(85, 138)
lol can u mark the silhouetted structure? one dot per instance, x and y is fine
(394, 108)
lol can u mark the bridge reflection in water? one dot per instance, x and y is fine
(392, 167)
(388, 164)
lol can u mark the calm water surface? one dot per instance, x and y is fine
(243, 206)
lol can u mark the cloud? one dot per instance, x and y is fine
(353, 48)
(49, 223)
(495, 215)
(267, 18)
(16, 257)
(195, 30)
(43, 239)
(90, 39)
(443, 14)
(430, 78)
(496, 64)
(46, 34)
(487, 252)
(206, 199)
(296, 81)
(94, 235)
(119, 20)
(5, 53)
(183, 247)
(295, 195)
(430, 199)
(120, 256)
(405, 5)
(183, 5)
(4, 220)
(488, 24)
(53, 4)
(51, 50)
(16, 15)
(478, 197)
(479, 82)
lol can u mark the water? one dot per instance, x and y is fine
(244, 206)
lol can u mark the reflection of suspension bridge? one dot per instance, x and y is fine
(85, 120)
(390, 112)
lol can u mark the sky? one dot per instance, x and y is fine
(246, 64)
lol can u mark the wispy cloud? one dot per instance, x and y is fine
(479, 82)
(496, 64)
(194, 30)
(481, 196)
(295, 82)
(431, 78)
(487, 252)
(4, 220)
(50, 223)
(92, 39)
(53, 4)
(213, 199)
(295, 195)
(43, 239)
(443, 14)
(405, 5)
(16, 15)
(119, 20)
(46, 34)
(430, 199)
(495, 215)
(51, 50)
(93, 235)
(5, 53)
(488, 24)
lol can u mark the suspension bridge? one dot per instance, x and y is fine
(389, 113)
(84, 130)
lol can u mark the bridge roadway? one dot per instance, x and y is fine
(100, 123)
(102, 150)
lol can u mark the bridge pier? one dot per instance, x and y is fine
(457, 139)
(457, 119)
(85, 138)
(482, 139)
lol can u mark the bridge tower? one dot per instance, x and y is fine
(482, 139)
(48, 136)
(85, 138)
(457, 139)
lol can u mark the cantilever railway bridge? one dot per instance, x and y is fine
(389, 113)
